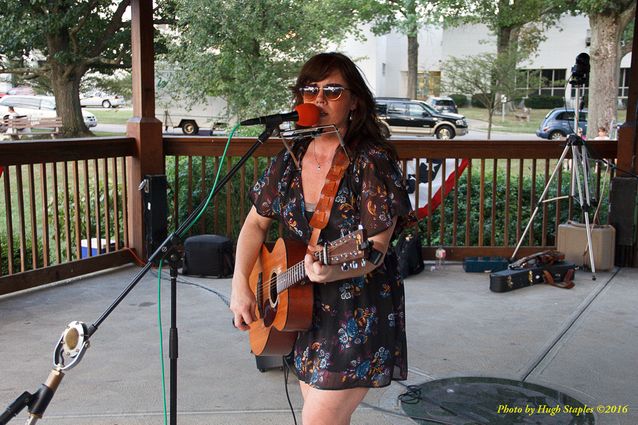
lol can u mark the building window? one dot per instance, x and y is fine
(623, 83)
(548, 82)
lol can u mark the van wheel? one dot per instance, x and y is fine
(556, 135)
(445, 132)
(106, 104)
(190, 128)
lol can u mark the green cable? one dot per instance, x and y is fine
(210, 195)
(159, 274)
(159, 322)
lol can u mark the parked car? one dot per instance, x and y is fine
(101, 99)
(21, 90)
(36, 107)
(417, 118)
(559, 123)
(442, 104)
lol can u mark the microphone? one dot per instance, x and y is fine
(305, 114)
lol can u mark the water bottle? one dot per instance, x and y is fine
(440, 258)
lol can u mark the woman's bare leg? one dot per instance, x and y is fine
(329, 407)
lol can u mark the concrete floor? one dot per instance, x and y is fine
(581, 341)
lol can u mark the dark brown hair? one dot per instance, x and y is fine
(364, 129)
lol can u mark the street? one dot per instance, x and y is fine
(473, 134)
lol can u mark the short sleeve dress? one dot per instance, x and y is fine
(357, 337)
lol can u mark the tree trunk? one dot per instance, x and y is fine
(67, 101)
(65, 81)
(490, 118)
(605, 68)
(413, 59)
(504, 40)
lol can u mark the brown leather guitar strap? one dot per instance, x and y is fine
(321, 215)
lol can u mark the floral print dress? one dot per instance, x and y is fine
(357, 337)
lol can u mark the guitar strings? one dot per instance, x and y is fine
(298, 268)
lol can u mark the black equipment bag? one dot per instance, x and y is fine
(410, 257)
(265, 363)
(560, 274)
(208, 255)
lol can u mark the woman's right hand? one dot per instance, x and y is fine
(242, 304)
(242, 299)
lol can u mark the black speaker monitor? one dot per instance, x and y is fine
(155, 211)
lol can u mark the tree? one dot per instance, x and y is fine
(59, 41)
(486, 77)
(407, 17)
(249, 52)
(515, 23)
(608, 20)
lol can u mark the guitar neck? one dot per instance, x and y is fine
(290, 277)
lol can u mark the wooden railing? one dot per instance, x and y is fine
(484, 213)
(63, 203)
(60, 197)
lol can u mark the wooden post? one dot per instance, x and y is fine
(143, 126)
(627, 137)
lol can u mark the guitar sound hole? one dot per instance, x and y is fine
(270, 308)
(273, 291)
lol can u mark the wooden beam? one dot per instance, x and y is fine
(59, 150)
(143, 126)
(50, 274)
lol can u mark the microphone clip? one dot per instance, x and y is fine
(71, 346)
(293, 136)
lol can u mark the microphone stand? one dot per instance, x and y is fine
(75, 339)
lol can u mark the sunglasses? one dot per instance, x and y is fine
(330, 92)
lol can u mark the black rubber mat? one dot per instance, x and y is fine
(492, 401)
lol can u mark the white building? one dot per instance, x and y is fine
(383, 59)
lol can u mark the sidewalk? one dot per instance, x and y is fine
(581, 341)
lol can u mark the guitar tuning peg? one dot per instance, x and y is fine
(354, 265)
(345, 267)
(363, 262)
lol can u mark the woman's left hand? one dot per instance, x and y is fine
(318, 272)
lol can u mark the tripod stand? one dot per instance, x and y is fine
(580, 165)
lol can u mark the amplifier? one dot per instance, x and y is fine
(572, 241)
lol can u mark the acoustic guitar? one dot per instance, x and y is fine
(284, 293)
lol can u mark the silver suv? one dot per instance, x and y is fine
(442, 104)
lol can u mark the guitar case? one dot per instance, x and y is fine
(558, 274)
(544, 267)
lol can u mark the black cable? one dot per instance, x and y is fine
(414, 396)
(221, 296)
(286, 369)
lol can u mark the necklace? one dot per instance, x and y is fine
(314, 153)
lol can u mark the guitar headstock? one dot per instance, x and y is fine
(351, 251)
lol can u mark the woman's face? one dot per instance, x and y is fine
(332, 111)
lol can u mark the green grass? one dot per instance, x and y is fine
(111, 116)
(510, 124)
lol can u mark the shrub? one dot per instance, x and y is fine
(460, 100)
(476, 102)
(544, 102)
